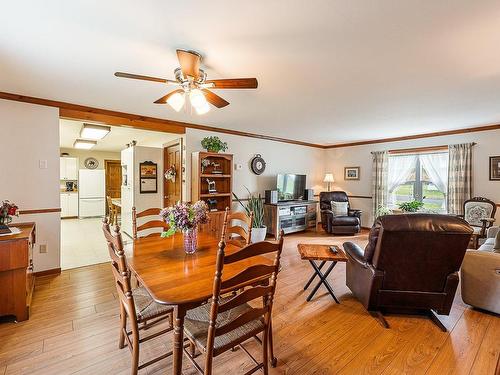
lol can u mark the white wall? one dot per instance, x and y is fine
(280, 158)
(84, 154)
(30, 134)
(488, 144)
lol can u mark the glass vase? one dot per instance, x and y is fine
(190, 240)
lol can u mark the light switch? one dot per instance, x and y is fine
(43, 249)
(42, 164)
(238, 167)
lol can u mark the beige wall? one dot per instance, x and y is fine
(279, 157)
(30, 137)
(488, 144)
(84, 154)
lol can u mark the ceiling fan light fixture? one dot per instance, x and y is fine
(84, 144)
(176, 101)
(197, 99)
(204, 108)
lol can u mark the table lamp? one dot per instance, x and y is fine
(328, 179)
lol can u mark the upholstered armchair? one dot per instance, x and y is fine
(348, 222)
(479, 212)
(410, 265)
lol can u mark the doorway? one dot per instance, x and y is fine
(113, 172)
(172, 161)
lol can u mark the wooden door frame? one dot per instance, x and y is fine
(106, 163)
(178, 141)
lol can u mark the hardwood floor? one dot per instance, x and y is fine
(73, 329)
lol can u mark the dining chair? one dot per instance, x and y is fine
(235, 234)
(136, 305)
(151, 224)
(112, 211)
(227, 321)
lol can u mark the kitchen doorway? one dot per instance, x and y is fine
(172, 172)
(113, 172)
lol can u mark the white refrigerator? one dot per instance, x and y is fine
(92, 191)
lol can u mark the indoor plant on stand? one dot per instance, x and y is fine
(185, 218)
(7, 210)
(213, 144)
(255, 205)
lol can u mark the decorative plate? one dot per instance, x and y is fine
(91, 163)
(257, 164)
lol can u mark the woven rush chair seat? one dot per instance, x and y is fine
(196, 326)
(145, 305)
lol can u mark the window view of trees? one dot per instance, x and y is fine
(419, 177)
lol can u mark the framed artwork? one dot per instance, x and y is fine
(351, 173)
(494, 168)
(148, 177)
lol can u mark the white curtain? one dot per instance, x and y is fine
(436, 166)
(400, 168)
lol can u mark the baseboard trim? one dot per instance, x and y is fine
(53, 271)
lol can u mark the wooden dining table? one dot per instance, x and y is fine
(182, 280)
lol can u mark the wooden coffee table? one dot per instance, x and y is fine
(322, 253)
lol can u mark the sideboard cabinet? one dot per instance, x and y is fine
(16, 272)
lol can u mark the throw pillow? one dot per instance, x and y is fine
(339, 208)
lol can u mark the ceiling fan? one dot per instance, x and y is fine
(194, 84)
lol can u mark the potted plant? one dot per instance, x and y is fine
(185, 218)
(255, 205)
(412, 206)
(7, 210)
(213, 144)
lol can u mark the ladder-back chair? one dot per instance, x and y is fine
(151, 224)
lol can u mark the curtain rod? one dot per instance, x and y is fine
(421, 149)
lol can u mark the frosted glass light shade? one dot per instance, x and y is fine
(197, 99)
(94, 132)
(204, 108)
(176, 101)
(84, 144)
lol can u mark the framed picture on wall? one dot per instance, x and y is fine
(494, 168)
(148, 177)
(351, 173)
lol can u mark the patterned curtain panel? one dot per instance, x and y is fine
(459, 177)
(379, 180)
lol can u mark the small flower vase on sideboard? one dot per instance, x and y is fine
(190, 240)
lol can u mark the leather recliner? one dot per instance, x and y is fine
(348, 224)
(410, 264)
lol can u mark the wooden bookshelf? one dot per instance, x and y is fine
(219, 169)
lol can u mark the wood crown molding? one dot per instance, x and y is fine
(80, 112)
(39, 211)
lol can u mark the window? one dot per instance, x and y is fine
(422, 177)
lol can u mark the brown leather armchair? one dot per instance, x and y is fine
(410, 264)
(348, 224)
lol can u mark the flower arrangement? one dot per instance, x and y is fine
(184, 216)
(170, 173)
(7, 210)
(213, 144)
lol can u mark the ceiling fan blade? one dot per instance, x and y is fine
(189, 62)
(214, 99)
(164, 99)
(144, 78)
(233, 83)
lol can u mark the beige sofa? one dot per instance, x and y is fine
(480, 275)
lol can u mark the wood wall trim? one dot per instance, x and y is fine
(418, 136)
(80, 112)
(39, 211)
(53, 271)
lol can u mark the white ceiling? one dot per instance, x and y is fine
(329, 71)
(116, 140)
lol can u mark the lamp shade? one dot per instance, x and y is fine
(328, 178)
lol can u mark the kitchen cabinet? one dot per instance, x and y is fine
(69, 204)
(69, 169)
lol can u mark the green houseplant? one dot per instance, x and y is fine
(255, 205)
(412, 206)
(213, 144)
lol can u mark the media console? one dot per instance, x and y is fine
(291, 216)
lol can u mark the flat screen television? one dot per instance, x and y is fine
(290, 186)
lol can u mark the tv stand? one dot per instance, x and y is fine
(291, 216)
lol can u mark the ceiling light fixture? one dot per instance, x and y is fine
(176, 101)
(94, 132)
(202, 109)
(84, 144)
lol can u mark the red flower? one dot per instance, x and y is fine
(12, 211)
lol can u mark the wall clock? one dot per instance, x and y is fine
(257, 164)
(91, 163)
